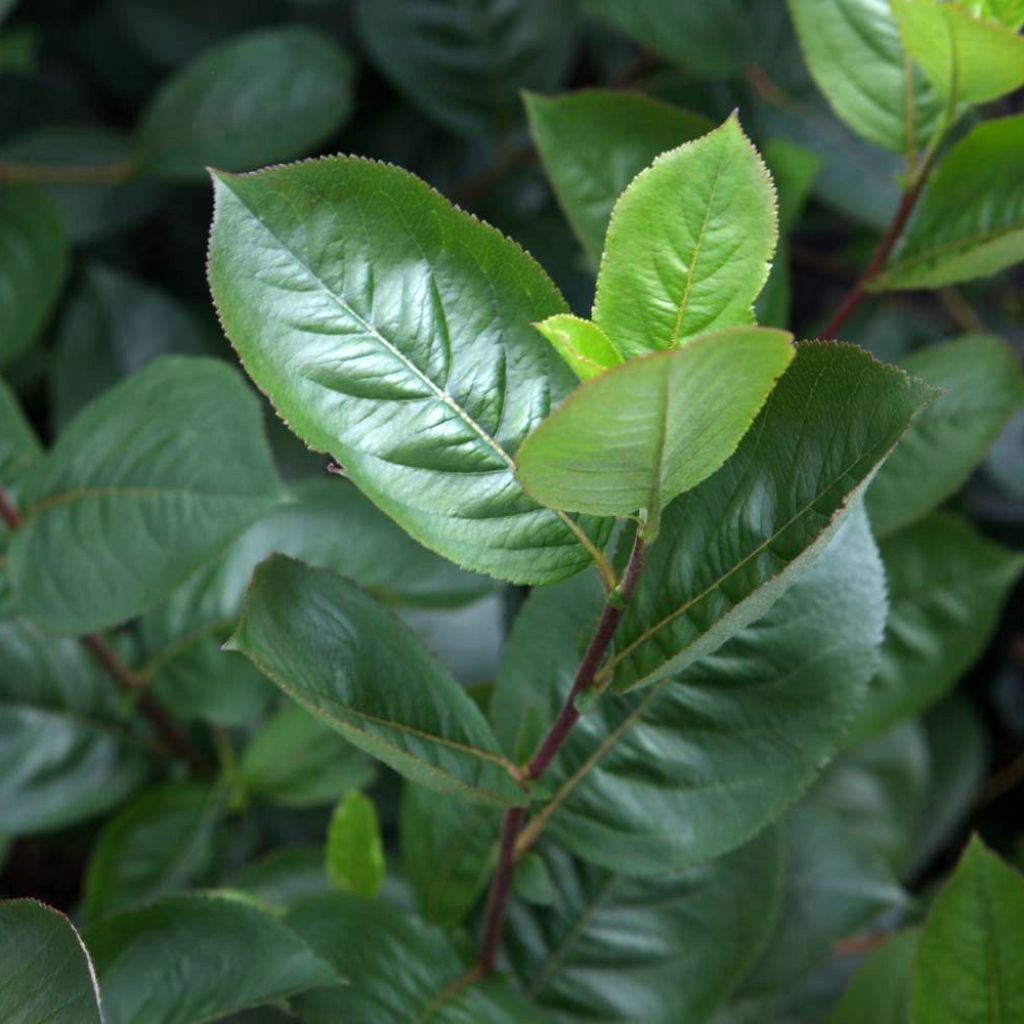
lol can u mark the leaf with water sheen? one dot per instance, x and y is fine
(970, 220)
(337, 652)
(689, 245)
(45, 971)
(149, 482)
(593, 142)
(642, 433)
(406, 352)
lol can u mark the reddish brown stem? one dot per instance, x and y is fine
(548, 748)
(171, 736)
(855, 296)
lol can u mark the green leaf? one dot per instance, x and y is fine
(64, 756)
(338, 653)
(582, 344)
(19, 446)
(45, 972)
(689, 245)
(880, 990)
(947, 588)
(853, 51)
(285, 876)
(970, 220)
(982, 385)
(295, 760)
(355, 856)
(198, 957)
(33, 265)
(405, 352)
(713, 39)
(465, 65)
(732, 545)
(738, 736)
(397, 968)
(448, 851)
(255, 99)
(966, 59)
(643, 433)
(660, 951)
(593, 142)
(92, 210)
(114, 325)
(968, 961)
(161, 843)
(152, 480)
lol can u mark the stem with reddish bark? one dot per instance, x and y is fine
(171, 736)
(550, 745)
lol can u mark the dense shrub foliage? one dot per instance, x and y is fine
(558, 561)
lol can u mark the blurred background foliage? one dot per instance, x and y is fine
(109, 112)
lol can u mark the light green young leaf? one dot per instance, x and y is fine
(373, 945)
(405, 352)
(880, 990)
(196, 958)
(149, 482)
(982, 385)
(33, 265)
(582, 344)
(45, 971)
(947, 587)
(160, 843)
(343, 657)
(296, 760)
(661, 951)
(968, 961)
(853, 51)
(644, 432)
(689, 245)
(781, 693)
(970, 220)
(258, 98)
(465, 65)
(355, 855)
(593, 142)
(967, 59)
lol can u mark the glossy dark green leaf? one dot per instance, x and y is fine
(285, 876)
(405, 352)
(947, 587)
(968, 961)
(197, 957)
(982, 384)
(161, 843)
(731, 546)
(593, 142)
(398, 969)
(65, 756)
(33, 265)
(880, 990)
(714, 39)
(612, 948)
(641, 434)
(853, 50)
(19, 446)
(45, 972)
(448, 850)
(295, 760)
(114, 325)
(738, 736)
(355, 855)
(337, 652)
(465, 65)
(970, 220)
(258, 98)
(689, 245)
(92, 210)
(149, 482)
